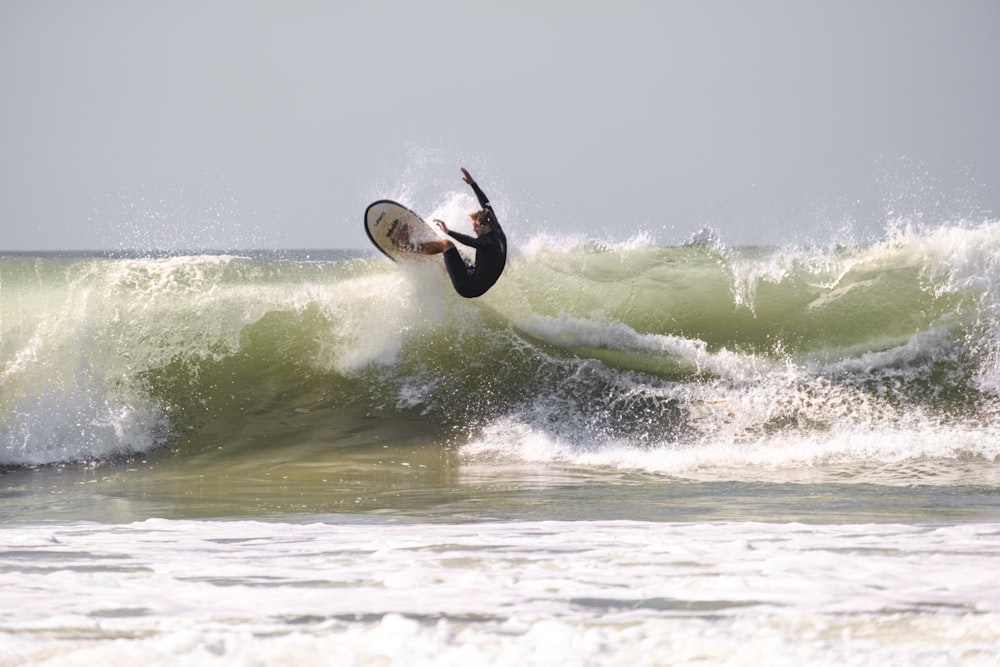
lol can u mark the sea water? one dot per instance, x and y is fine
(623, 455)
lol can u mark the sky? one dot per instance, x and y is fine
(133, 124)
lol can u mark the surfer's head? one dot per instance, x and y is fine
(483, 222)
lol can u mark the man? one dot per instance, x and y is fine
(490, 243)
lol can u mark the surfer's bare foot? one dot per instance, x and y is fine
(403, 238)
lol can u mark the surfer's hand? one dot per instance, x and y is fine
(440, 223)
(467, 177)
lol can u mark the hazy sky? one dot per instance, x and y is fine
(241, 123)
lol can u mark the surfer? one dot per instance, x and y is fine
(473, 279)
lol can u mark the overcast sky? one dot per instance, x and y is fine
(242, 123)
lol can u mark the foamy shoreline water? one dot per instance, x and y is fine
(588, 592)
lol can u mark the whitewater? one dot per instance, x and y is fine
(624, 454)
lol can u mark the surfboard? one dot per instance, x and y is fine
(388, 225)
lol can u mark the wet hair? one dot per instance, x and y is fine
(485, 217)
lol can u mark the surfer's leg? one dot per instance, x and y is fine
(455, 264)
(458, 270)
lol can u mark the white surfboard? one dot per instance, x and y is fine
(393, 229)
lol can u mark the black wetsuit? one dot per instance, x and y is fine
(472, 280)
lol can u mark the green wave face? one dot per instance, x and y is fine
(641, 345)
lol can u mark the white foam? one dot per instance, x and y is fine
(735, 444)
(535, 593)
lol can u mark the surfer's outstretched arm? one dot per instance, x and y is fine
(476, 242)
(483, 199)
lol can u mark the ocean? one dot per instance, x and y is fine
(624, 454)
